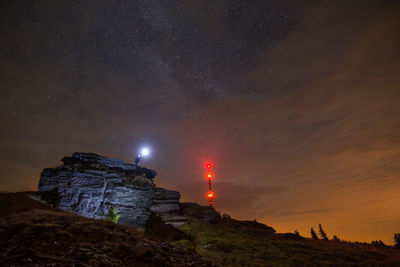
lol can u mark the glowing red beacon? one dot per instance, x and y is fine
(208, 166)
(210, 197)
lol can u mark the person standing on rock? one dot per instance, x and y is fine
(137, 160)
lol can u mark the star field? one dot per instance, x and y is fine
(296, 102)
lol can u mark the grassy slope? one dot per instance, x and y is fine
(32, 233)
(226, 246)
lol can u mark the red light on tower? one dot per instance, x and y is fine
(210, 197)
(208, 166)
(209, 175)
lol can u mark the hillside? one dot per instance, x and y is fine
(34, 233)
(231, 242)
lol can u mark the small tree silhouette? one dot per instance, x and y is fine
(336, 238)
(322, 233)
(397, 240)
(313, 234)
(378, 243)
(113, 215)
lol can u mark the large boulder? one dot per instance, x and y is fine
(90, 185)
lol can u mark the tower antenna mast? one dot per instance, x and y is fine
(210, 193)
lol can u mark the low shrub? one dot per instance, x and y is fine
(113, 215)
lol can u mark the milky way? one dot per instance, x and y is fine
(295, 102)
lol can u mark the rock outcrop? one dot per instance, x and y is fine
(166, 206)
(204, 213)
(249, 227)
(88, 184)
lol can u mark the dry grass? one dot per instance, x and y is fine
(33, 233)
(36, 234)
(230, 246)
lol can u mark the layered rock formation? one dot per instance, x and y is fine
(166, 205)
(88, 184)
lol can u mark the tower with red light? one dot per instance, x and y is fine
(210, 193)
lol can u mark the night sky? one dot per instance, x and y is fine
(297, 103)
